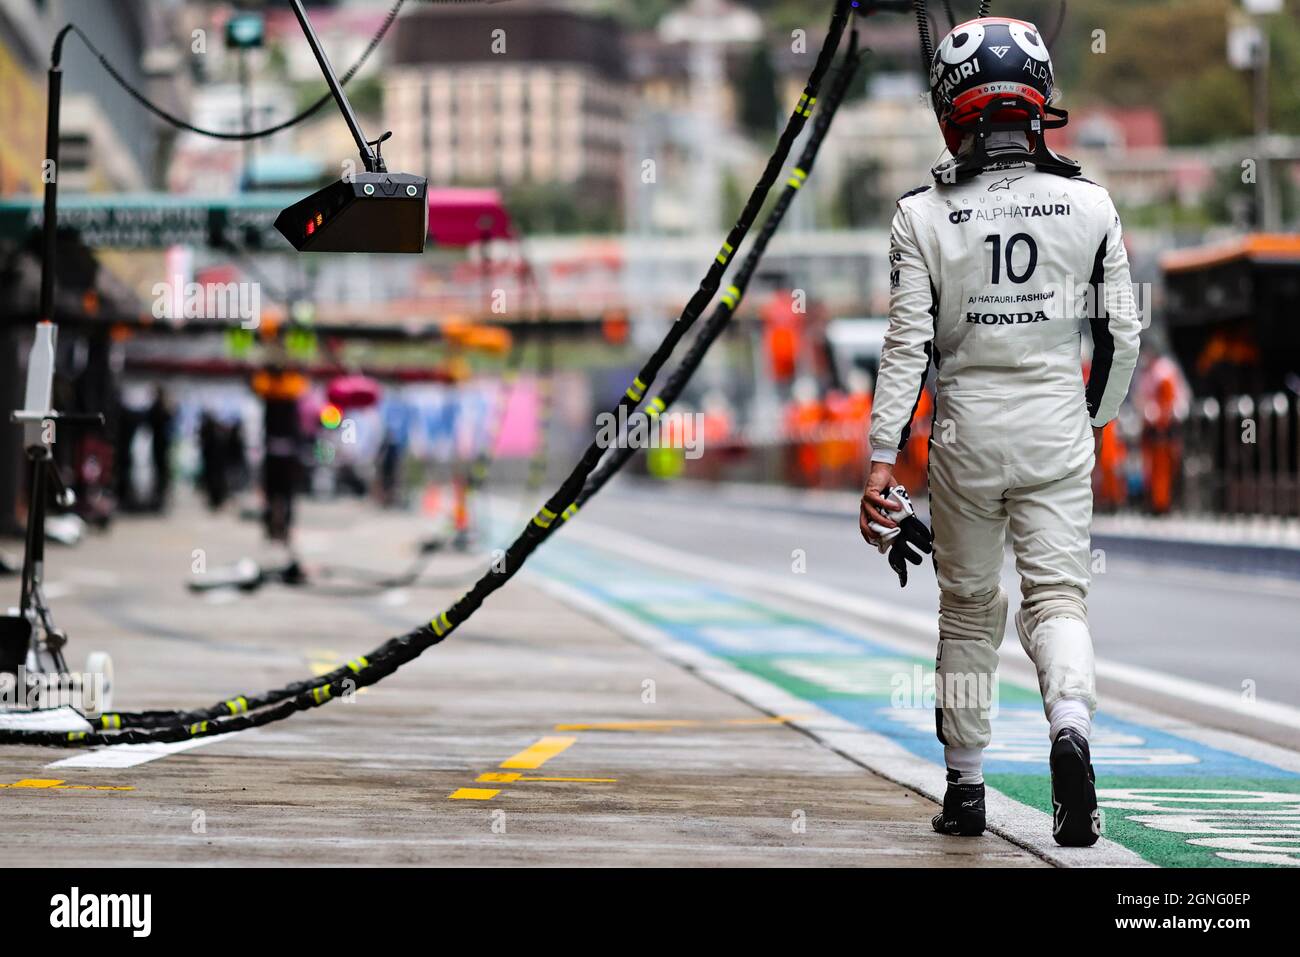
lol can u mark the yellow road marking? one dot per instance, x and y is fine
(664, 725)
(535, 755)
(529, 759)
(507, 777)
(669, 724)
(473, 794)
(56, 784)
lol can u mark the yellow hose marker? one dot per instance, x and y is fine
(321, 694)
(76, 735)
(655, 407)
(535, 755)
(113, 721)
(636, 391)
(725, 253)
(544, 518)
(805, 105)
(569, 512)
(441, 625)
(356, 664)
(237, 705)
(797, 178)
(731, 297)
(198, 728)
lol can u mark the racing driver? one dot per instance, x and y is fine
(993, 268)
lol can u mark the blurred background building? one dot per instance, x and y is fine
(530, 97)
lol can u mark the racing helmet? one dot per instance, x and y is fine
(986, 59)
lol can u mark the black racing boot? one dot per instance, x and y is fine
(1075, 821)
(963, 809)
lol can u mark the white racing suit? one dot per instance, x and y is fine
(991, 279)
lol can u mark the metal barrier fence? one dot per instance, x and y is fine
(1241, 454)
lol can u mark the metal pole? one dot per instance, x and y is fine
(34, 550)
(1266, 217)
(246, 107)
(34, 554)
(426, 126)
(51, 174)
(368, 157)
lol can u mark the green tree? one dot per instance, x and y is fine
(1172, 54)
(758, 106)
(859, 202)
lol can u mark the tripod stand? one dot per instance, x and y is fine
(28, 636)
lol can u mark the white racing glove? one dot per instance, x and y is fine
(908, 541)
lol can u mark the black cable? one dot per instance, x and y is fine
(952, 17)
(558, 506)
(984, 8)
(923, 28)
(717, 322)
(177, 122)
(250, 711)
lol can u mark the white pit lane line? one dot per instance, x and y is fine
(133, 755)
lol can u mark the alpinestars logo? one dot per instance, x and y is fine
(1000, 51)
(1005, 183)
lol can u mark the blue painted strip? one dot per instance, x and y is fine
(866, 683)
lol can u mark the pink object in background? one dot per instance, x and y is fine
(354, 391)
(518, 437)
(463, 217)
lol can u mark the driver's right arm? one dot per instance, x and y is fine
(904, 358)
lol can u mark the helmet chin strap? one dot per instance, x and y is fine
(994, 143)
